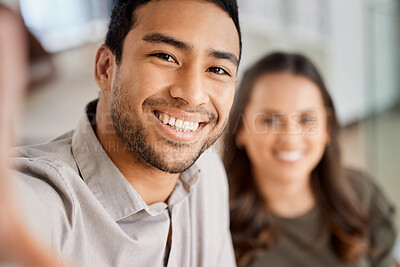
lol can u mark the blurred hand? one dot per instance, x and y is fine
(17, 244)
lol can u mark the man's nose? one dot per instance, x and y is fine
(190, 86)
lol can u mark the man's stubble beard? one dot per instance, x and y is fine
(134, 134)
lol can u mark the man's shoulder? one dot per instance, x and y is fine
(46, 177)
(53, 152)
(48, 170)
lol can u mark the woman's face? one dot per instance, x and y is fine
(284, 130)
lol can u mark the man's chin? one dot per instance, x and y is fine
(179, 160)
(175, 166)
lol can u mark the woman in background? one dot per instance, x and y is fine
(292, 202)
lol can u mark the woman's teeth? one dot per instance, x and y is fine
(290, 156)
(177, 124)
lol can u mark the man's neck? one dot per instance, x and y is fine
(151, 184)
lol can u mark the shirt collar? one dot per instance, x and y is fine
(185, 185)
(108, 184)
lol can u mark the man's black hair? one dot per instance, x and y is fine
(123, 20)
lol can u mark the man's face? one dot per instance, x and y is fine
(174, 87)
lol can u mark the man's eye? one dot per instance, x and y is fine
(165, 57)
(218, 70)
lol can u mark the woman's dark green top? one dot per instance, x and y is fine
(304, 242)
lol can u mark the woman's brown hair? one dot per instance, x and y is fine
(252, 225)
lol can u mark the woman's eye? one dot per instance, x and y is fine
(165, 57)
(218, 70)
(273, 121)
(308, 119)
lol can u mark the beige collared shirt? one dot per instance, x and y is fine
(91, 215)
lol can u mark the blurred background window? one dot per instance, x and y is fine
(63, 24)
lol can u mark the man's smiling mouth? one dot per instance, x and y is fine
(177, 124)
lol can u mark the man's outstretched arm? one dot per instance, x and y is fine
(17, 243)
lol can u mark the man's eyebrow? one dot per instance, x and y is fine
(224, 55)
(162, 38)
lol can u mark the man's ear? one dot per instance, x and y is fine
(105, 61)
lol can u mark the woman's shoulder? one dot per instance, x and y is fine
(382, 232)
(369, 192)
(365, 186)
(359, 178)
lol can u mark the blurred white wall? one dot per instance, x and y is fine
(337, 35)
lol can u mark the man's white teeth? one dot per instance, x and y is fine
(165, 119)
(177, 124)
(290, 156)
(171, 121)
